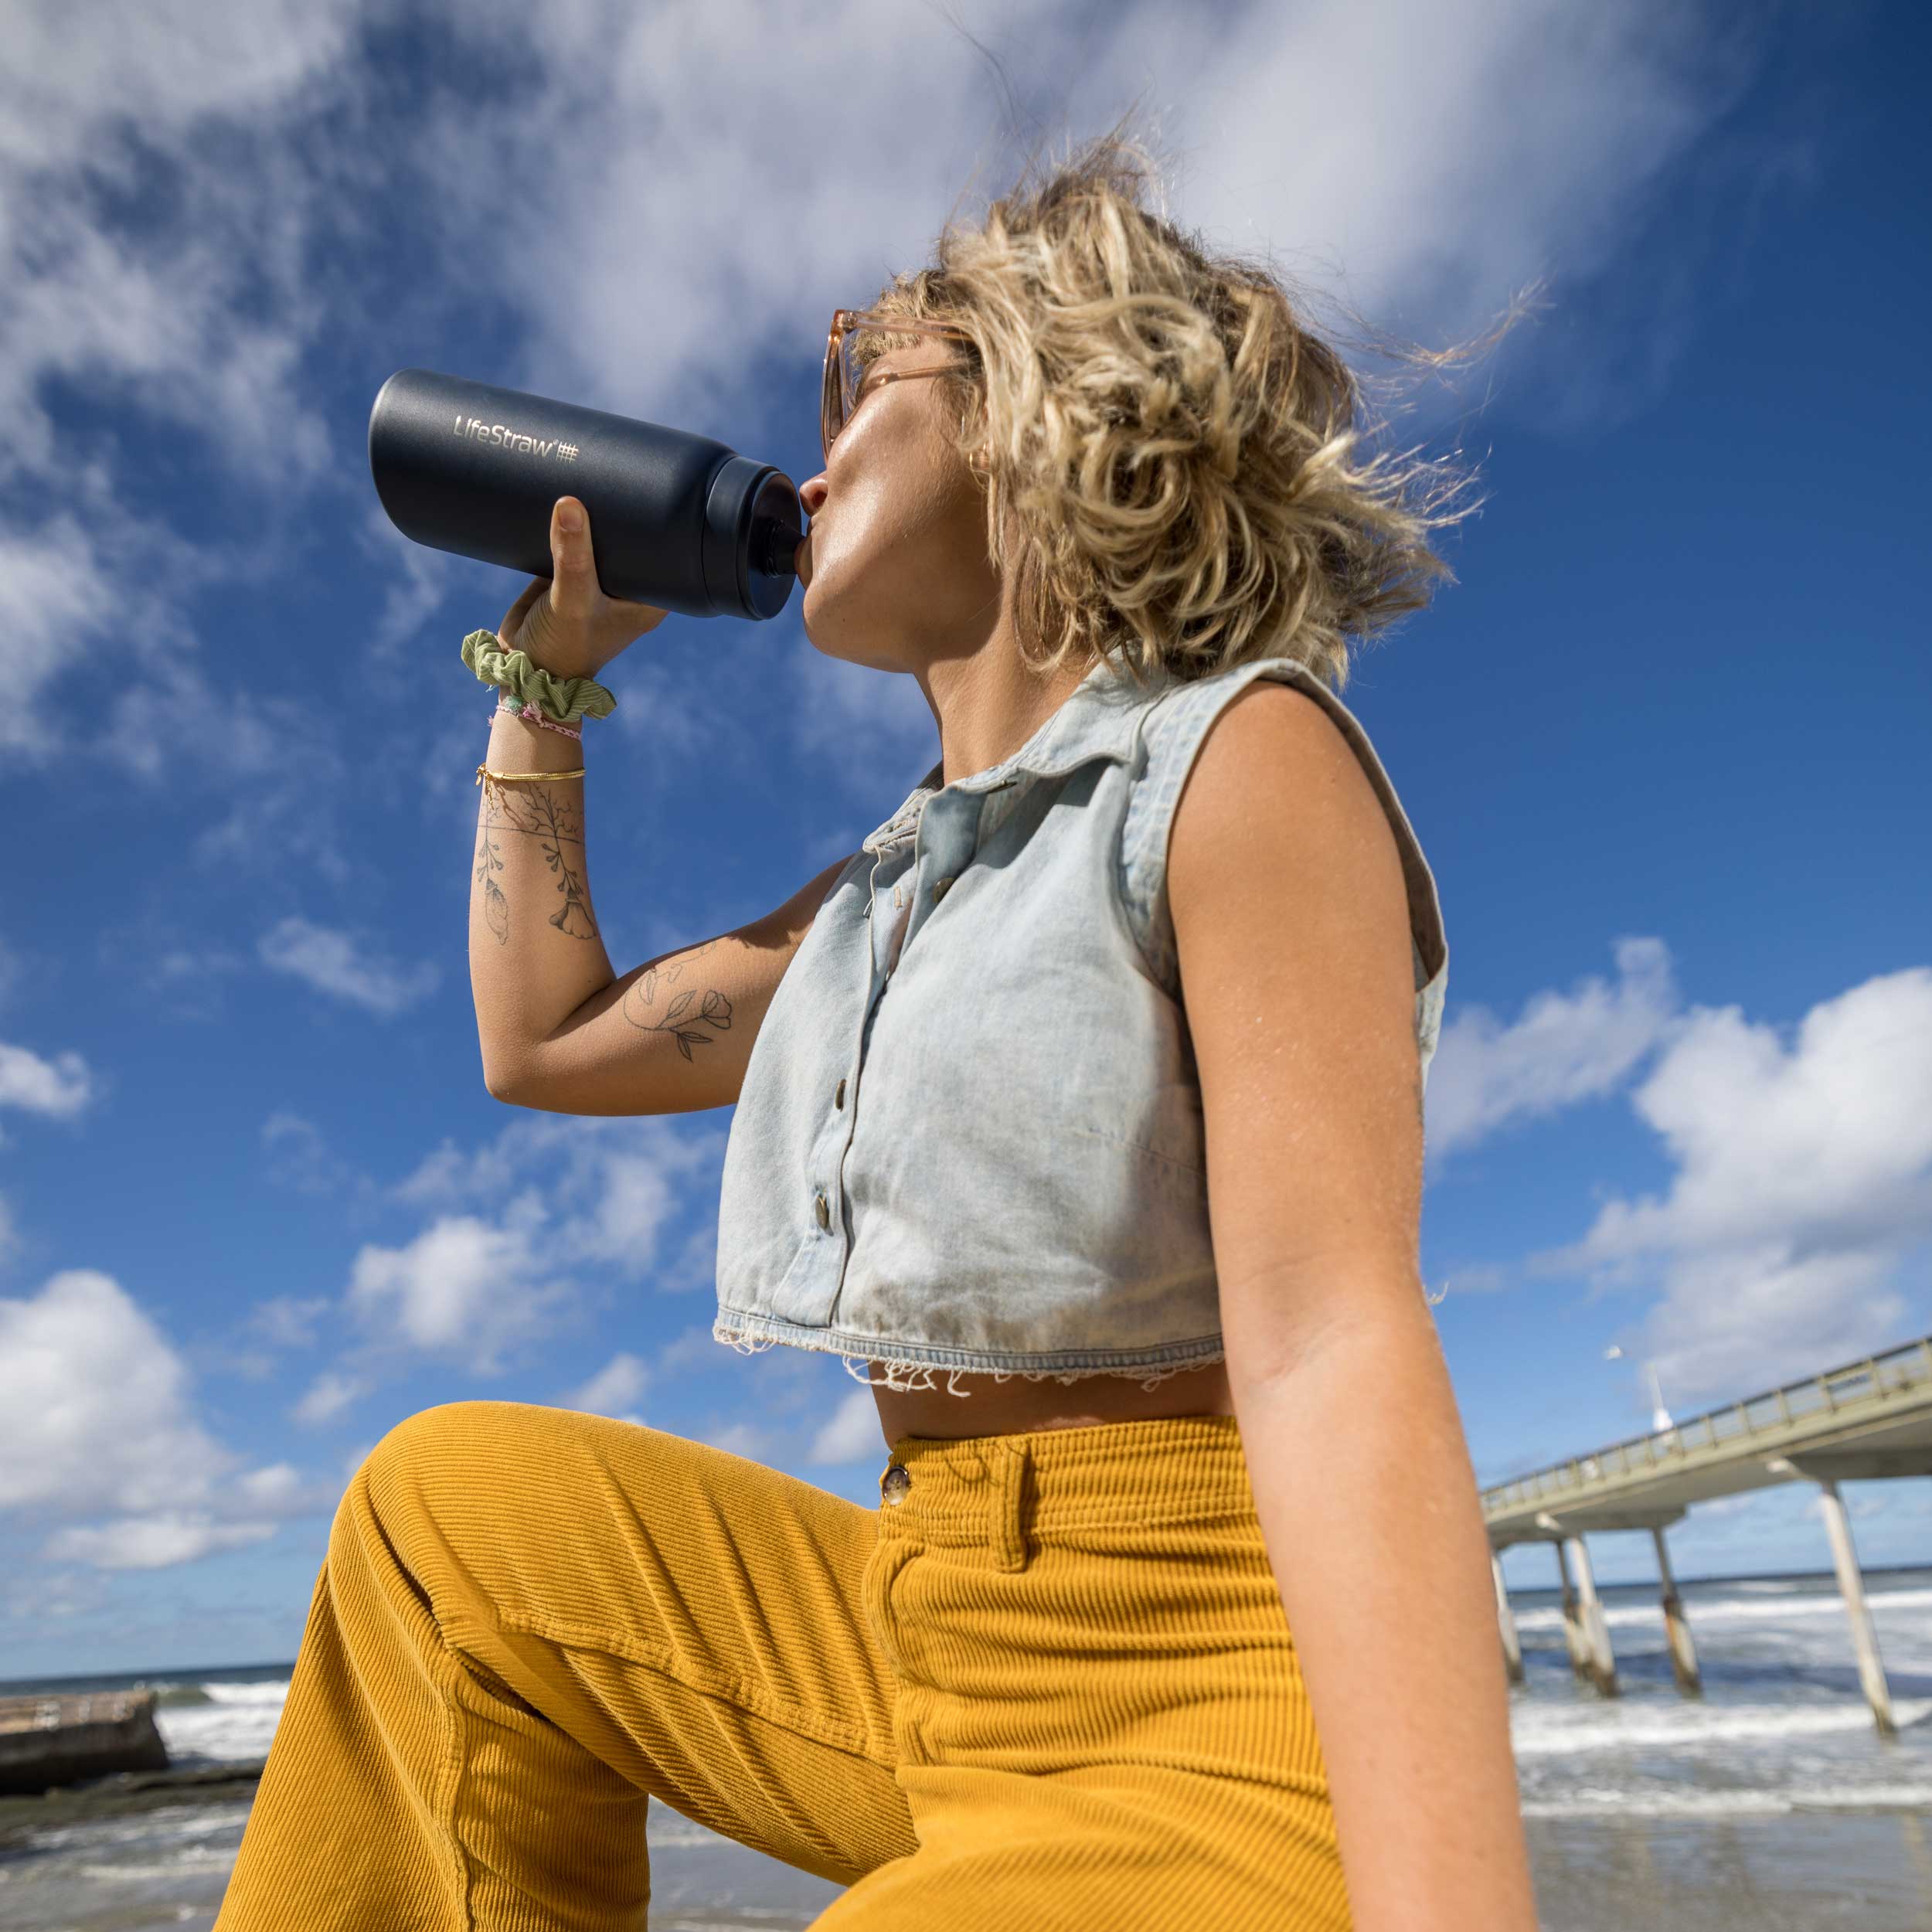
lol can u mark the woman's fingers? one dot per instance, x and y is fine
(575, 593)
(513, 617)
(564, 622)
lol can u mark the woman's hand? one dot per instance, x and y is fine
(563, 623)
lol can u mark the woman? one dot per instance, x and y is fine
(1093, 1079)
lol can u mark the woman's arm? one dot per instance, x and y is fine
(536, 953)
(1292, 922)
(1373, 1524)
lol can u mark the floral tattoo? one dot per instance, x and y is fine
(547, 816)
(641, 1006)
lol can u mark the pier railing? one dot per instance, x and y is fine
(1845, 1395)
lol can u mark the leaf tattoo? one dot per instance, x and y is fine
(548, 816)
(641, 1008)
(496, 908)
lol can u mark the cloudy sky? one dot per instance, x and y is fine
(1663, 743)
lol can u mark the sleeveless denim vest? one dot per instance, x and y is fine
(970, 1136)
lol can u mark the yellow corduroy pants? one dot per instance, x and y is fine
(1047, 1683)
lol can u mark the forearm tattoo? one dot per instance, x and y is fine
(547, 816)
(641, 1009)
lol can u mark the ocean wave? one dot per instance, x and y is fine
(1587, 1801)
(233, 1723)
(177, 1864)
(1618, 1616)
(1538, 1729)
(270, 1691)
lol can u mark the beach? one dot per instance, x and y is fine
(1769, 1803)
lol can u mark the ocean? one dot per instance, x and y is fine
(1771, 1802)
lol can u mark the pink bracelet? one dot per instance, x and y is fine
(530, 714)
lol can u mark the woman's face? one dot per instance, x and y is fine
(894, 567)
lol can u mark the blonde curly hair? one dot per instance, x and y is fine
(1171, 456)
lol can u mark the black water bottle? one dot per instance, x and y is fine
(676, 520)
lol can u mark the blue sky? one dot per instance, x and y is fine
(1663, 743)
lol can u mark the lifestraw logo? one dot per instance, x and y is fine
(508, 439)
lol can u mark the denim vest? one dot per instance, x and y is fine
(970, 1135)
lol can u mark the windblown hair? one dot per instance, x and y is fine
(1173, 460)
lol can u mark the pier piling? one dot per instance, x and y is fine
(1573, 1625)
(1600, 1665)
(1506, 1620)
(1851, 1586)
(1683, 1654)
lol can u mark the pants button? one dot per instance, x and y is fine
(897, 1480)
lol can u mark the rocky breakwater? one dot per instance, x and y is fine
(49, 1741)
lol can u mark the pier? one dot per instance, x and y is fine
(50, 1741)
(1864, 1420)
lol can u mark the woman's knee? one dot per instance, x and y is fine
(438, 1455)
(435, 1446)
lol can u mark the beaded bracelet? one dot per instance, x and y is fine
(531, 715)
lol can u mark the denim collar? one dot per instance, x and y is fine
(1099, 718)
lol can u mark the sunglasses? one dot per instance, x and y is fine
(846, 373)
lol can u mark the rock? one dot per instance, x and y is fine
(48, 1741)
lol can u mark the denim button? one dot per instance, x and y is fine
(895, 1483)
(838, 1098)
(939, 889)
(824, 1212)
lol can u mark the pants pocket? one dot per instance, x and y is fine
(883, 1570)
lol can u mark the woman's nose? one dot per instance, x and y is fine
(811, 493)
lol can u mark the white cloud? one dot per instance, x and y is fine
(851, 1433)
(327, 1396)
(462, 1289)
(1428, 158)
(606, 1188)
(95, 100)
(151, 1542)
(1566, 1049)
(35, 1599)
(159, 65)
(55, 584)
(145, 952)
(95, 1421)
(637, 1195)
(280, 1486)
(58, 1088)
(517, 1222)
(303, 1160)
(334, 963)
(271, 759)
(1435, 154)
(614, 1389)
(1472, 147)
(195, 315)
(736, 1438)
(287, 1320)
(93, 1404)
(1802, 1183)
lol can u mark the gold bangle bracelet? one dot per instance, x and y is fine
(484, 771)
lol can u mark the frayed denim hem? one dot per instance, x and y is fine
(902, 1375)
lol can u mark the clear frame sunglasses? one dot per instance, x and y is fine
(845, 373)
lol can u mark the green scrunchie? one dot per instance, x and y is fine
(562, 698)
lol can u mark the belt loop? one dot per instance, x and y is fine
(1009, 1473)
